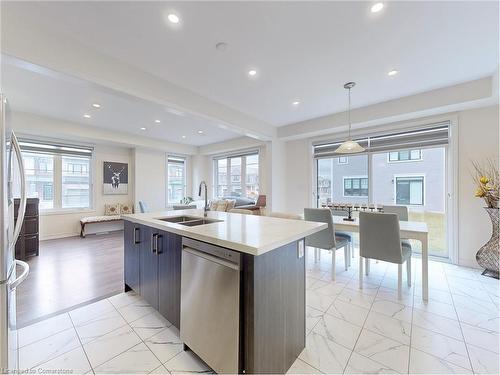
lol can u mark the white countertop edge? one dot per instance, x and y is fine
(241, 247)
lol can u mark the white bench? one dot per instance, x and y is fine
(96, 219)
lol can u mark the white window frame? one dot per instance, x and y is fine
(346, 158)
(410, 175)
(228, 158)
(184, 182)
(389, 161)
(351, 177)
(57, 180)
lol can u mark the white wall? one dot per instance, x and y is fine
(150, 179)
(57, 225)
(478, 139)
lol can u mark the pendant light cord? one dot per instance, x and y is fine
(349, 114)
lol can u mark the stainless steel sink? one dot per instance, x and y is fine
(189, 221)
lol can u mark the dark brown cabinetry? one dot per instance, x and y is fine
(27, 244)
(153, 268)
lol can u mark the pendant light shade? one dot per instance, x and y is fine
(349, 146)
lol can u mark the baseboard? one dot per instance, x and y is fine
(58, 236)
(471, 263)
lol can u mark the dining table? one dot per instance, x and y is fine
(410, 230)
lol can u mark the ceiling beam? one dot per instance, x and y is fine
(466, 95)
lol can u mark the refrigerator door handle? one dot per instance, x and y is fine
(26, 270)
(22, 205)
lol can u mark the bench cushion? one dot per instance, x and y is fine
(98, 219)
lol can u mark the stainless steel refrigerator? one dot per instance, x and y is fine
(12, 271)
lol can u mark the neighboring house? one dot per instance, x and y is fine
(411, 177)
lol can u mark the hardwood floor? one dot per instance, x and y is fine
(69, 272)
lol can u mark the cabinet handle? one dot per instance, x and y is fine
(158, 246)
(136, 230)
(153, 243)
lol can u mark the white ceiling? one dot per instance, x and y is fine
(52, 94)
(302, 50)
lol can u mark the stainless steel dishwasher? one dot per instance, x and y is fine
(210, 304)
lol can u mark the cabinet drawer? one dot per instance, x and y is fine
(30, 225)
(31, 245)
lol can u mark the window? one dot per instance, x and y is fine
(405, 155)
(237, 176)
(176, 177)
(58, 175)
(343, 160)
(410, 190)
(75, 182)
(355, 186)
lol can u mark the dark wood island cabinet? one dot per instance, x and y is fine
(272, 297)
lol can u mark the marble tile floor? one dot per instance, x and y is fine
(348, 331)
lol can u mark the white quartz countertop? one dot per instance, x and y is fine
(251, 234)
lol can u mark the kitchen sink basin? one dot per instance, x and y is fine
(189, 221)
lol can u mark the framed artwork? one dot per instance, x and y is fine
(115, 178)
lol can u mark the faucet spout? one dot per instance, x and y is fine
(205, 207)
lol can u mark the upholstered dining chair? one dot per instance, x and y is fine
(326, 238)
(401, 211)
(379, 238)
(285, 215)
(346, 235)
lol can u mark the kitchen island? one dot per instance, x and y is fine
(234, 285)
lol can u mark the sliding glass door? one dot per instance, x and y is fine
(392, 173)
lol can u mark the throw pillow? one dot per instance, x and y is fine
(126, 209)
(112, 209)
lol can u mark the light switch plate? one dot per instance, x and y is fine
(300, 249)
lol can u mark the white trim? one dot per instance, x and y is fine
(354, 196)
(410, 175)
(451, 196)
(184, 163)
(389, 161)
(346, 160)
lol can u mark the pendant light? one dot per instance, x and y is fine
(349, 146)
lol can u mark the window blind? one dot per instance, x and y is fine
(55, 148)
(432, 135)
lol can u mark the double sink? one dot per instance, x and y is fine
(189, 221)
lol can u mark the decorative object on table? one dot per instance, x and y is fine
(486, 178)
(115, 178)
(186, 200)
(349, 146)
(349, 208)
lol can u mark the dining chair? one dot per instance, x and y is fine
(240, 211)
(379, 238)
(285, 215)
(401, 211)
(326, 239)
(143, 207)
(345, 235)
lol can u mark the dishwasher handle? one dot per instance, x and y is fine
(212, 258)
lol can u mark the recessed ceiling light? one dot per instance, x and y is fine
(377, 7)
(252, 72)
(86, 115)
(296, 103)
(200, 131)
(183, 137)
(174, 18)
(392, 73)
(143, 128)
(157, 121)
(96, 105)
